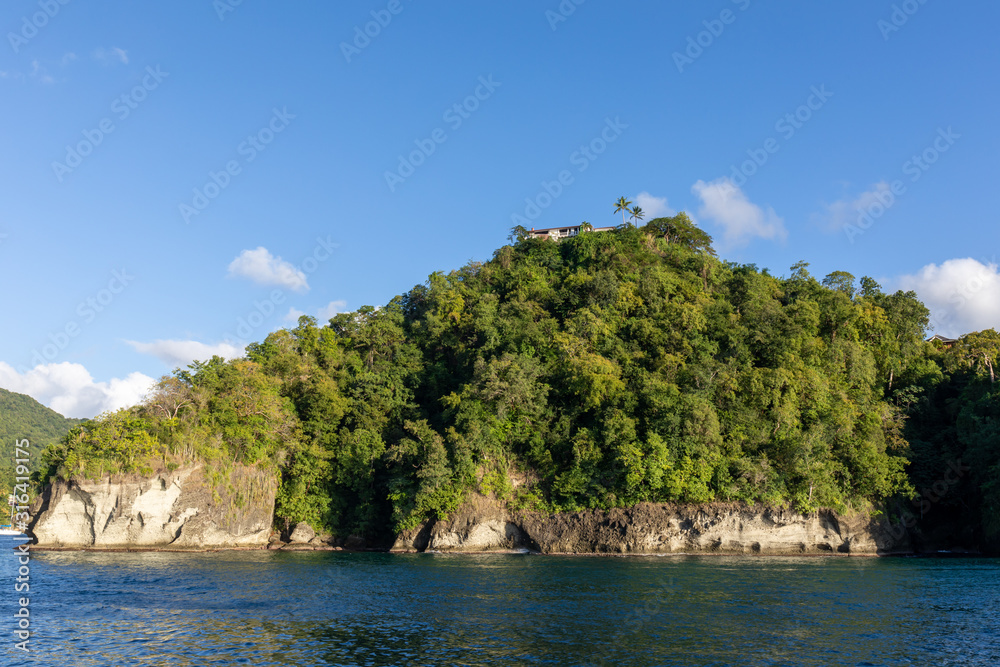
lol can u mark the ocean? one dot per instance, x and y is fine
(335, 608)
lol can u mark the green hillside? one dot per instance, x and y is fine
(22, 417)
(599, 371)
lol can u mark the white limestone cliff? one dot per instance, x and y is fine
(166, 509)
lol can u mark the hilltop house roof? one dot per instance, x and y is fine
(562, 232)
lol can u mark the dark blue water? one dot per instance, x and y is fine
(267, 608)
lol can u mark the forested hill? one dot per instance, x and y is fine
(22, 417)
(603, 370)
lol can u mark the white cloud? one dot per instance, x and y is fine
(67, 59)
(70, 390)
(323, 315)
(111, 55)
(654, 207)
(331, 309)
(294, 314)
(264, 268)
(727, 206)
(963, 295)
(180, 353)
(845, 212)
(39, 72)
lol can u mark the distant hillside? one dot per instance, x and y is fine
(23, 417)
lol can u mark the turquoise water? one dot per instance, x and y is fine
(324, 608)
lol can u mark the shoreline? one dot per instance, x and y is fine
(516, 552)
(486, 525)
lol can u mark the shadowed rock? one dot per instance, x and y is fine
(483, 524)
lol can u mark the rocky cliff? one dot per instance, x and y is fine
(184, 508)
(485, 525)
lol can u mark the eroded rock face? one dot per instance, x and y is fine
(167, 509)
(484, 525)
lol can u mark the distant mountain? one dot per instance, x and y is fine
(22, 417)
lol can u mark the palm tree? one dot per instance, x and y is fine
(622, 205)
(637, 214)
(586, 226)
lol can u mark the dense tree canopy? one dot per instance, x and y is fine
(603, 370)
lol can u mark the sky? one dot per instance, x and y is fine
(178, 179)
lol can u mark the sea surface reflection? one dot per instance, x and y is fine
(322, 608)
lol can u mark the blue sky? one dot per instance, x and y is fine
(268, 159)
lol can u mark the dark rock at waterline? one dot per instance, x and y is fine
(483, 524)
(303, 532)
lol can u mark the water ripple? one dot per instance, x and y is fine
(267, 608)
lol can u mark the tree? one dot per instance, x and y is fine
(870, 289)
(245, 411)
(980, 351)
(517, 233)
(169, 395)
(622, 205)
(682, 231)
(842, 281)
(800, 271)
(637, 214)
(113, 442)
(586, 226)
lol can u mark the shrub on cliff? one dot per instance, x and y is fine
(115, 442)
(216, 412)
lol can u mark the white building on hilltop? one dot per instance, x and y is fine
(556, 233)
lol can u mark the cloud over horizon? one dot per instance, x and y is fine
(844, 212)
(654, 207)
(69, 389)
(963, 295)
(181, 353)
(263, 268)
(323, 315)
(725, 204)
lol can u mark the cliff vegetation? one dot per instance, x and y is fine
(597, 372)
